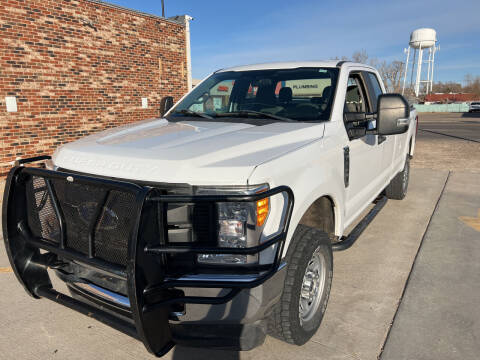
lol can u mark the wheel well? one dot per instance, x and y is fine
(321, 215)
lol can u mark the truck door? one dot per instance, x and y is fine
(364, 153)
(386, 143)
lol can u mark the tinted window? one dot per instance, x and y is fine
(355, 98)
(375, 89)
(303, 94)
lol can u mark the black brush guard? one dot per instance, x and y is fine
(149, 292)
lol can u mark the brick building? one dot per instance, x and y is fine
(73, 67)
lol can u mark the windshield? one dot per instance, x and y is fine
(303, 94)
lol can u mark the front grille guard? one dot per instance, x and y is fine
(150, 293)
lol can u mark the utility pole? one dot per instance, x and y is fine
(163, 8)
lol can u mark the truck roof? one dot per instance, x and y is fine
(291, 65)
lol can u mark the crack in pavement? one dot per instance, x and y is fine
(453, 136)
(350, 355)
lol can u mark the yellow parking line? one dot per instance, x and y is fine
(474, 223)
(6, 270)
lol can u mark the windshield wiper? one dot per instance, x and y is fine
(193, 113)
(246, 113)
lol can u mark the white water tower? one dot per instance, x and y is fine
(421, 39)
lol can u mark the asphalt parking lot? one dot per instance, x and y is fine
(408, 289)
(448, 141)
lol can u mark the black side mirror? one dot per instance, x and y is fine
(392, 115)
(166, 104)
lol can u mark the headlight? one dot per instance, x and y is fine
(240, 224)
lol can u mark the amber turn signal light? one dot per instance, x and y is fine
(262, 211)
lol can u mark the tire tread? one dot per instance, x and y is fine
(280, 324)
(394, 190)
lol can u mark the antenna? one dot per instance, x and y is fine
(420, 40)
(163, 8)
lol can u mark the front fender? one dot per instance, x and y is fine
(311, 172)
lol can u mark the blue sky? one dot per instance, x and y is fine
(227, 33)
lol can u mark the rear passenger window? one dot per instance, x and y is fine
(375, 88)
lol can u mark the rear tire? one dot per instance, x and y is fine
(297, 316)
(397, 189)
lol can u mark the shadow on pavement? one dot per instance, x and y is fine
(471, 115)
(185, 353)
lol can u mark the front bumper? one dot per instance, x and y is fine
(153, 294)
(239, 324)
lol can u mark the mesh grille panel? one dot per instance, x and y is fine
(113, 228)
(79, 204)
(42, 219)
(110, 224)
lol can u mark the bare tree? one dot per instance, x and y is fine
(472, 84)
(447, 87)
(468, 79)
(360, 56)
(382, 68)
(392, 74)
(344, 58)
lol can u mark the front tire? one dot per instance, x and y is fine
(397, 189)
(300, 310)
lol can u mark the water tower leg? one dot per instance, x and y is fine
(433, 63)
(428, 71)
(413, 67)
(419, 71)
(406, 71)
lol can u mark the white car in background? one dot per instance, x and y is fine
(474, 106)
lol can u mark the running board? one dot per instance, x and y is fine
(347, 241)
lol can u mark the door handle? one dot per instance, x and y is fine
(381, 139)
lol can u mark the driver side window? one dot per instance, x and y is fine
(355, 98)
(356, 107)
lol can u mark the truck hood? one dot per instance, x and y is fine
(193, 152)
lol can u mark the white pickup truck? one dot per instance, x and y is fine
(214, 224)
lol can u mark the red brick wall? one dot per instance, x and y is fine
(451, 97)
(79, 66)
